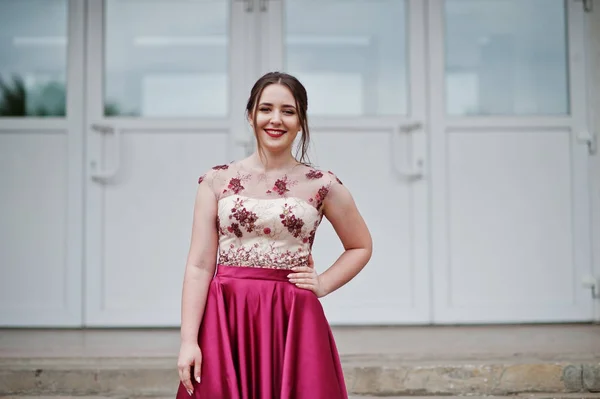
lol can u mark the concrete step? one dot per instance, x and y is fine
(365, 375)
(552, 360)
(522, 396)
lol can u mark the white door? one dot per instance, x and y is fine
(458, 125)
(41, 153)
(509, 177)
(165, 102)
(495, 226)
(363, 65)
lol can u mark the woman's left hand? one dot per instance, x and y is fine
(306, 277)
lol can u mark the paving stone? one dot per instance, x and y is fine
(158, 377)
(591, 377)
(572, 377)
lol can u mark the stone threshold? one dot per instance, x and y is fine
(371, 375)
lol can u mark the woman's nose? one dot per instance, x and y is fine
(275, 117)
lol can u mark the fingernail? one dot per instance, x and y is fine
(198, 379)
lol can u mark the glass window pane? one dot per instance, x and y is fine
(33, 58)
(506, 57)
(167, 58)
(350, 55)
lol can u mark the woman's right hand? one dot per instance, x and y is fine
(190, 356)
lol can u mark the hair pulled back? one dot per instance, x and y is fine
(299, 93)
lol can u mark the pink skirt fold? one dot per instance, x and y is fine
(263, 338)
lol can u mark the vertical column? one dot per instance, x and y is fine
(594, 109)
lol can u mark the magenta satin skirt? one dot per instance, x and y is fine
(263, 338)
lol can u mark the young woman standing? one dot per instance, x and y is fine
(256, 328)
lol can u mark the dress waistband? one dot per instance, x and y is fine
(259, 273)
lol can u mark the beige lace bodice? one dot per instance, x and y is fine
(268, 220)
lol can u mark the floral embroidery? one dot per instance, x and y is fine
(218, 167)
(219, 227)
(270, 223)
(336, 178)
(320, 197)
(289, 220)
(241, 214)
(235, 183)
(235, 229)
(282, 186)
(314, 174)
(311, 237)
(269, 257)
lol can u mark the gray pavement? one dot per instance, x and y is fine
(422, 344)
(474, 361)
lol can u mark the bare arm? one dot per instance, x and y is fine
(340, 209)
(201, 263)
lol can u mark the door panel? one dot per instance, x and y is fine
(393, 287)
(166, 59)
(160, 115)
(41, 59)
(366, 89)
(147, 213)
(510, 200)
(505, 57)
(351, 66)
(34, 227)
(505, 209)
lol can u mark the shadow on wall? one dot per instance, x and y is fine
(17, 99)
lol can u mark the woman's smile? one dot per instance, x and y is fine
(275, 133)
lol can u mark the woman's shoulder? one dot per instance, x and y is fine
(216, 172)
(320, 175)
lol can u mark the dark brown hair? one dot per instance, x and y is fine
(299, 93)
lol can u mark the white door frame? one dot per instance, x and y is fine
(256, 47)
(440, 123)
(592, 38)
(69, 312)
(98, 145)
(272, 54)
(75, 116)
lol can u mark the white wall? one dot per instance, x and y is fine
(595, 160)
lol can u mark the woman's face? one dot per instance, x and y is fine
(276, 122)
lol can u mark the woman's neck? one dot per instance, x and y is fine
(273, 162)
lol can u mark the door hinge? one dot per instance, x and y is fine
(590, 139)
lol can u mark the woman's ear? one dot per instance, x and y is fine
(250, 119)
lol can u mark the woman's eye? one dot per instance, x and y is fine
(264, 109)
(288, 112)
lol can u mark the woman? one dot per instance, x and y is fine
(256, 329)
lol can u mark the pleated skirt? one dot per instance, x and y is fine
(262, 337)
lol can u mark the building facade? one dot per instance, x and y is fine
(463, 128)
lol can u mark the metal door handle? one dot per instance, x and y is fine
(249, 5)
(97, 173)
(590, 139)
(416, 163)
